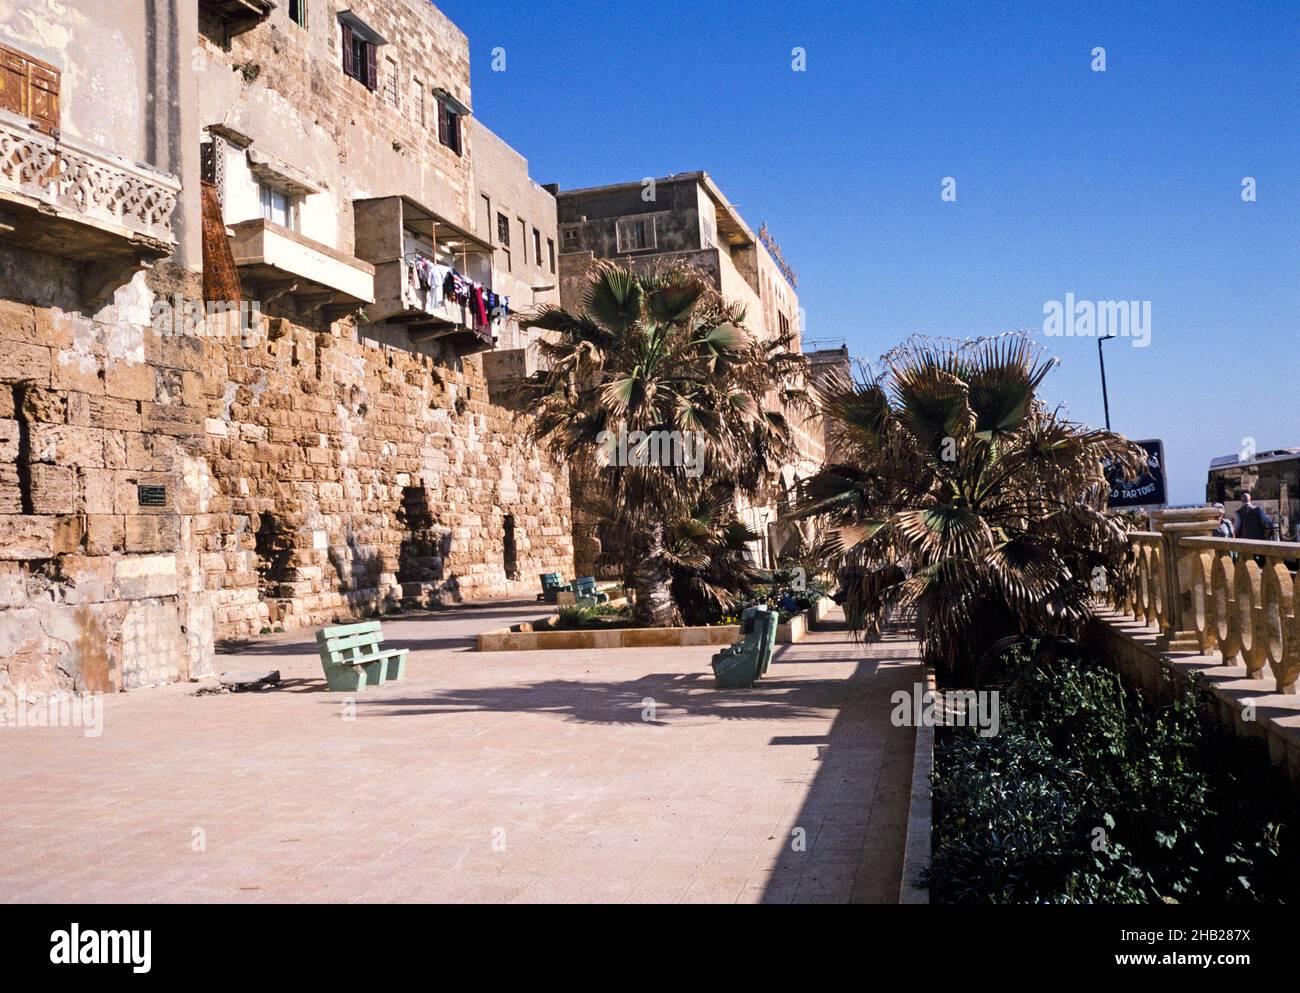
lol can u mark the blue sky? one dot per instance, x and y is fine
(1116, 185)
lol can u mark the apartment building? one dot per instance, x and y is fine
(248, 302)
(686, 219)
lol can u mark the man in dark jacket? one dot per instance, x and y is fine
(1252, 522)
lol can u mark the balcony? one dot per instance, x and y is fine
(394, 232)
(68, 198)
(281, 262)
(238, 16)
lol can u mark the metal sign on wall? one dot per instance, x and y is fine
(1149, 488)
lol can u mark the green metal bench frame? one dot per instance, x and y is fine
(552, 584)
(584, 590)
(352, 657)
(739, 665)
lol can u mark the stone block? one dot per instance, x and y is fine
(152, 532)
(142, 576)
(44, 405)
(54, 488)
(173, 419)
(114, 414)
(126, 491)
(86, 578)
(8, 438)
(77, 370)
(17, 322)
(105, 534)
(97, 490)
(25, 363)
(13, 585)
(25, 536)
(69, 532)
(11, 492)
(68, 444)
(130, 381)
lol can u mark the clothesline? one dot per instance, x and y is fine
(432, 278)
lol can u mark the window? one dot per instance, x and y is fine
(448, 126)
(298, 12)
(635, 234)
(278, 207)
(550, 252)
(417, 108)
(571, 238)
(523, 239)
(30, 89)
(503, 230)
(506, 252)
(487, 216)
(708, 239)
(537, 248)
(390, 83)
(359, 57)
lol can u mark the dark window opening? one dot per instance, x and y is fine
(503, 230)
(448, 126)
(510, 551)
(359, 58)
(550, 252)
(298, 12)
(274, 550)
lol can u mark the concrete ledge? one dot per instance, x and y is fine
(505, 640)
(916, 852)
(1132, 648)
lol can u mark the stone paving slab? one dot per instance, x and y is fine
(606, 776)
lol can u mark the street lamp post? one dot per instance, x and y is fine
(1105, 401)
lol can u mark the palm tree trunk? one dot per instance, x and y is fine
(655, 607)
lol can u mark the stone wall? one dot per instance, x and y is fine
(94, 405)
(350, 475)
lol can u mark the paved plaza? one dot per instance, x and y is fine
(606, 776)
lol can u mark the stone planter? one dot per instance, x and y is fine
(505, 640)
(801, 623)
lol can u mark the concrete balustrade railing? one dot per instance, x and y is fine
(1232, 597)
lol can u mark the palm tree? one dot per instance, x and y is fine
(653, 356)
(961, 497)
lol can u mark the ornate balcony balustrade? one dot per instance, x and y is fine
(1230, 597)
(67, 198)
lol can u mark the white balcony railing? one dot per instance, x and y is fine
(67, 180)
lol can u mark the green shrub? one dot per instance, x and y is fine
(1091, 794)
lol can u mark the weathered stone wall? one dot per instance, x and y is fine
(349, 475)
(94, 405)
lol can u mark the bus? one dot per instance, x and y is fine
(1271, 478)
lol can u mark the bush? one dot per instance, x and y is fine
(1091, 794)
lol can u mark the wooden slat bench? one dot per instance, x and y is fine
(353, 657)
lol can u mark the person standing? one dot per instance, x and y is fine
(1224, 528)
(1251, 521)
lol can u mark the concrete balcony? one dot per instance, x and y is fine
(392, 232)
(68, 198)
(281, 262)
(238, 16)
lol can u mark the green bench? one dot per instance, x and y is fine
(552, 584)
(739, 665)
(584, 589)
(353, 657)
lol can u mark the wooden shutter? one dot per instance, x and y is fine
(442, 120)
(44, 109)
(348, 66)
(372, 74)
(453, 130)
(13, 82)
(29, 88)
